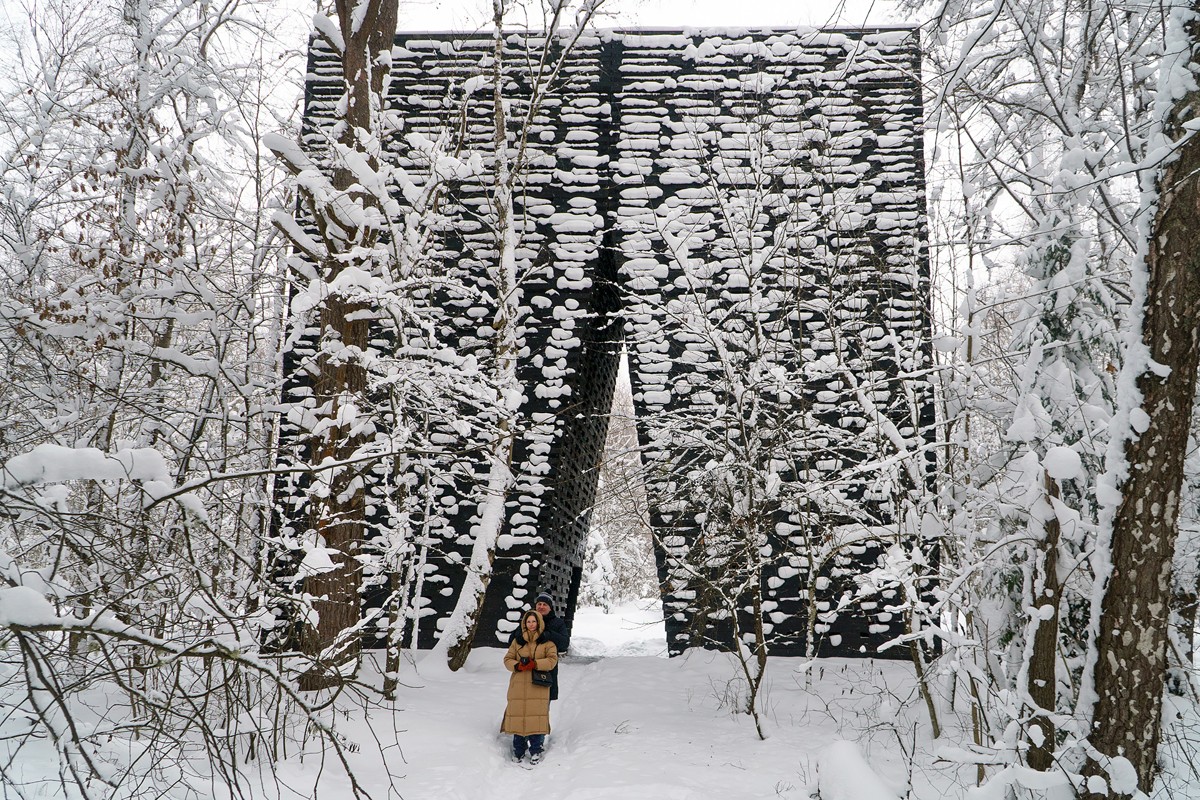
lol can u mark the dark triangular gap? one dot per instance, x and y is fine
(620, 566)
(575, 468)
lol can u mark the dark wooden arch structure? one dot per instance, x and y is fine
(647, 126)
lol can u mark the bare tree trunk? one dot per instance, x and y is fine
(508, 167)
(395, 629)
(464, 622)
(1135, 613)
(338, 515)
(368, 28)
(755, 676)
(917, 654)
(1041, 678)
(1182, 655)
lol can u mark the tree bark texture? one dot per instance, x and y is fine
(338, 517)
(362, 69)
(1135, 614)
(1042, 680)
(368, 28)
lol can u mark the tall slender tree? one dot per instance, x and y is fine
(513, 120)
(1134, 621)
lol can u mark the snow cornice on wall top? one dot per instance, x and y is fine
(892, 34)
(699, 30)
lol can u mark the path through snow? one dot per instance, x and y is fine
(636, 727)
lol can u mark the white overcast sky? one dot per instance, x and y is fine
(471, 14)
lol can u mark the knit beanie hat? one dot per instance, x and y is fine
(545, 598)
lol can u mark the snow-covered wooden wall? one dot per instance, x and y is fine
(663, 159)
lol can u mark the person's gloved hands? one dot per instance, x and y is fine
(526, 665)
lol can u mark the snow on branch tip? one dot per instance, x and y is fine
(52, 463)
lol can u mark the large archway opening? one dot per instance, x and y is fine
(619, 611)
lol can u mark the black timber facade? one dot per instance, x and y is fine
(641, 143)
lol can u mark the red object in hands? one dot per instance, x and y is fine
(528, 666)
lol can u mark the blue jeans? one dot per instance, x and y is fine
(535, 742)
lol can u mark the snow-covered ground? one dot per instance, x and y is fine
(632, 724)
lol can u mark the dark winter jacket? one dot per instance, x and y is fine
(528, 709)
(557, 630)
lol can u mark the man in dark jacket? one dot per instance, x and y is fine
(556, 631)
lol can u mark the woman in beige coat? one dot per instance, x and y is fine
(527, 716)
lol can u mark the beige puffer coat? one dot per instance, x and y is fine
(528, 710)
